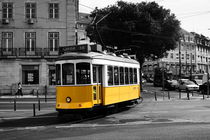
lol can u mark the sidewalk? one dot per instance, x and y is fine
(24, 106)
(27, 96)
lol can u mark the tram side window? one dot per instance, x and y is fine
(94, 75)
(116, 76)
(135, 76)
(83, 73)
(131, 75)
(110, 75)
(68, 74)
(126, 76)
(122, 78)
(58, 74)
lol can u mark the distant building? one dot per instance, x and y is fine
(195, 57)
(31, 33)
(84, 19)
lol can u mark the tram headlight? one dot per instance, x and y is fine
(68, 99)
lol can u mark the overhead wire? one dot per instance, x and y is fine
(86, 6)
(197, 14)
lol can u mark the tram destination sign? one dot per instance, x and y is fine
(83, 48)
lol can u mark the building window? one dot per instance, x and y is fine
(53, 43)
(177, 56)
(52, 75)
(7, 10)
(7, 40)
(30, 10)
(172, 55)
(182, 56)
(188, 56)
(30, 74)
(53, 10)
(193, 57)
(30, 41)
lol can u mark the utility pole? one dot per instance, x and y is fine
(186, 57)
(180, 59)
(191, 67)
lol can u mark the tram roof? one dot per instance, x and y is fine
(96, 55)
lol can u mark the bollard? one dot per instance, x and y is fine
(180, 94)
(39, 104)
(45, 93)
(188, 95)
(34, 111)
(155, 97)
(163, 95)
(15, 104)
(169, 95)
(203, 95)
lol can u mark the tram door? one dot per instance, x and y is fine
(97, 84)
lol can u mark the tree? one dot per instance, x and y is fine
(147, 28)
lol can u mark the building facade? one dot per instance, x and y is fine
(194, 56)
(84, 20)
(31, 32)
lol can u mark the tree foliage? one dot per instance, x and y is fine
(147, 28)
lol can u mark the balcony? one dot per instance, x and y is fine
(8, 52)
(27, 53)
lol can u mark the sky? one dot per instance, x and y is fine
(193, 14)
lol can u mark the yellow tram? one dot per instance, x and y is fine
(87, 79)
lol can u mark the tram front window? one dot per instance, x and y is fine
(68, 74)
(83, 73)
(58, 74)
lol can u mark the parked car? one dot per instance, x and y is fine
(203, 88)
(187, 85)
(171, 84)
(197, 82)
(150, 80)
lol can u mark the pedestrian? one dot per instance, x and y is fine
(19, 92)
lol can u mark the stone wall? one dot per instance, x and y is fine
(11, 74)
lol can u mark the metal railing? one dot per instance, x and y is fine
(21, 52)
(8, 51)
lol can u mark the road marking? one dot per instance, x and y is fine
(31, 117)
(23, 128)
(99, 125)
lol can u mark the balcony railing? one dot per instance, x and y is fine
(23, 52)
(8, 51)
